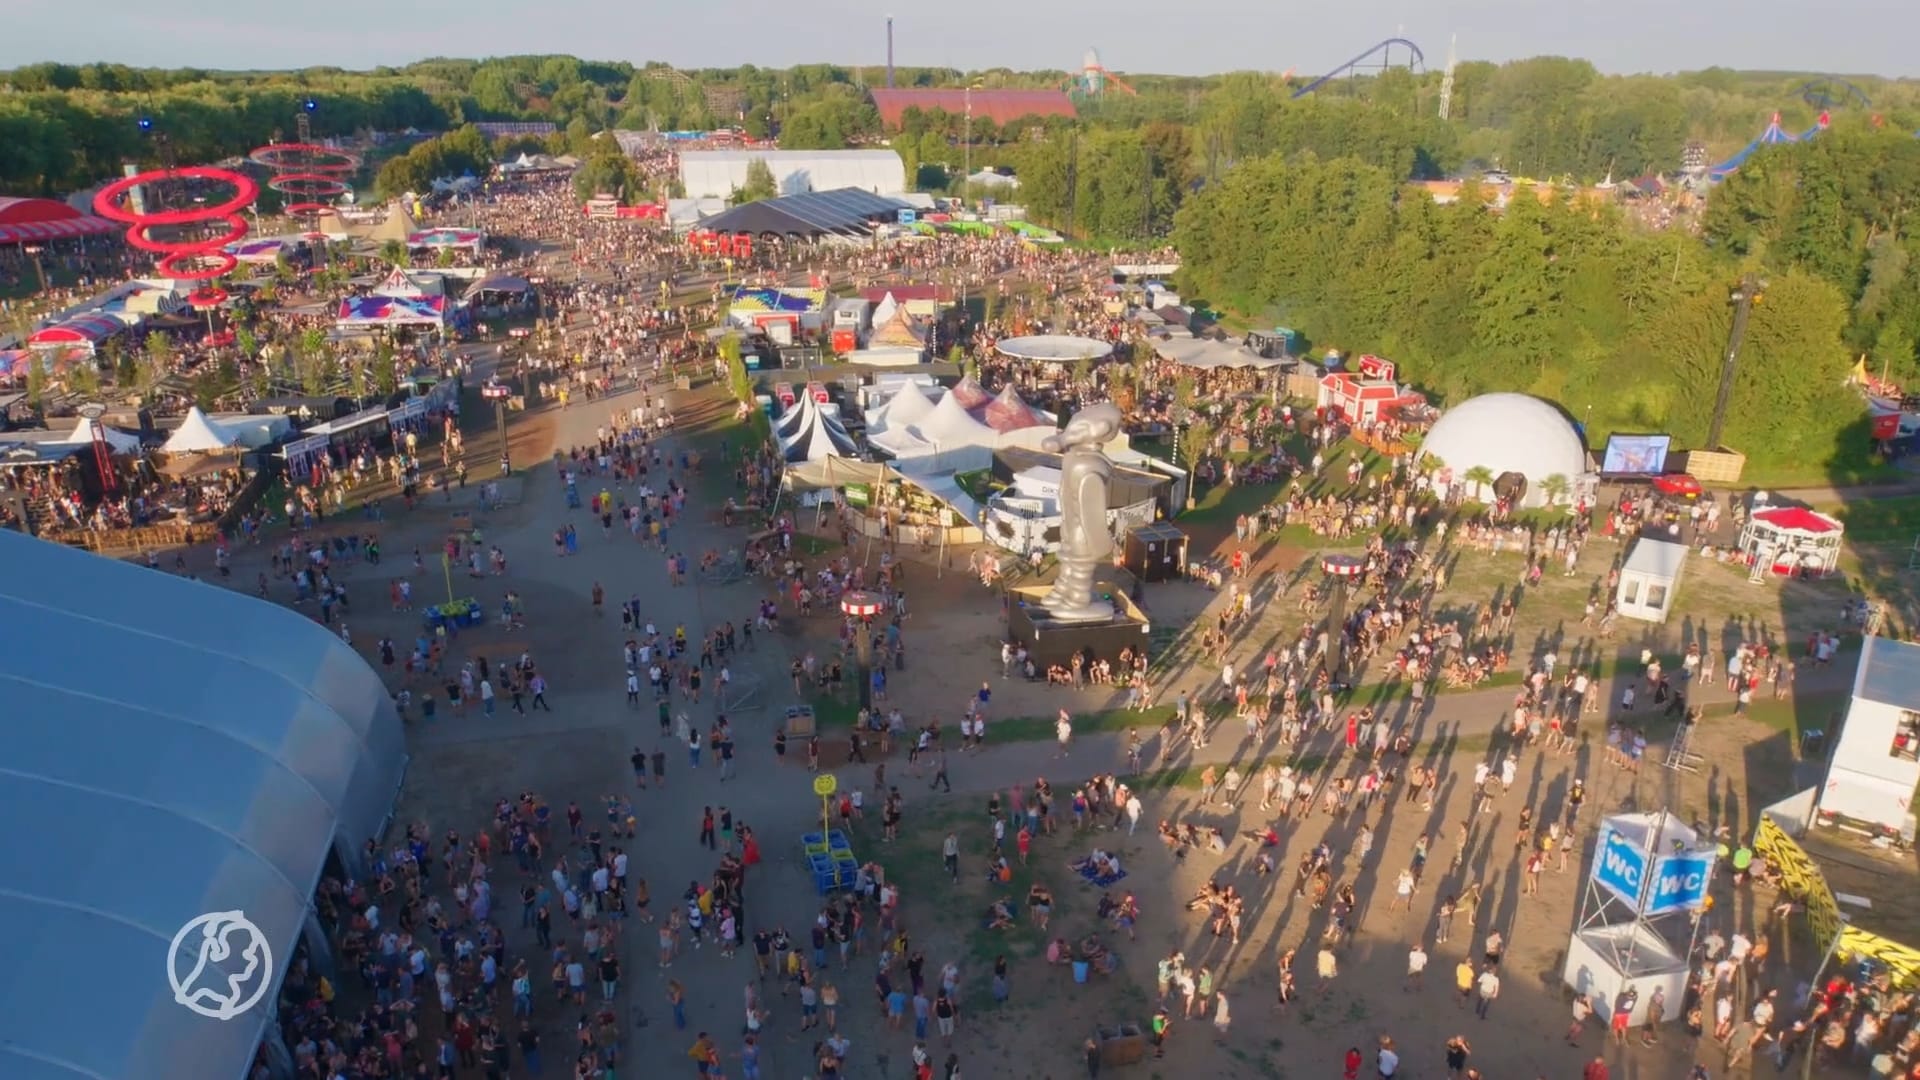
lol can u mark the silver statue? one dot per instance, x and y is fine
(1085, 539)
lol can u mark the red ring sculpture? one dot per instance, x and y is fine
(306, 173)
(304, 157)
(216, 263)
(205, 298)
(311, 185)
(199, 259)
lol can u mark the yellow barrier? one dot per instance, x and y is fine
(1801, 879)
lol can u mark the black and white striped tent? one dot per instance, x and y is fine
(807, 433)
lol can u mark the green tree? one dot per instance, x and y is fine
(759, 185)
(36, 380)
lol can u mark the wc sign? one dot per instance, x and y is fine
(1679, 883)
(1620, 867)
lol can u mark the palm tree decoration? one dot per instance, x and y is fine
(1479, 482)
(1556, 488)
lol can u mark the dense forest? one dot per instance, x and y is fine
(1569, 300)
(66, 126)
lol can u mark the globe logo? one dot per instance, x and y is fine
(220, 965)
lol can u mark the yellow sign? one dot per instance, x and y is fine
(825, 785)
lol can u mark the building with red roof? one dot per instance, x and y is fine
(999, 106)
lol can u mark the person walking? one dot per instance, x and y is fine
(1162, 1023)
(1488, 986)
(940, 780)
(1457, 1053)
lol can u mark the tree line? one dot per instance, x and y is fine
(1573, 301)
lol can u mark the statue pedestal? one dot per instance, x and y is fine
(1054, 641)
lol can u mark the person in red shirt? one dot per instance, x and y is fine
(1353, 1064)
(1595, 1070)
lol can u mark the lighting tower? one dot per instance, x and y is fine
(1446, 82)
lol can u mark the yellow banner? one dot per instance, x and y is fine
(1801, 879)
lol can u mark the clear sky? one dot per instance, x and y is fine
(1170, 36)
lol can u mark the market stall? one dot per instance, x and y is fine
(1791, 540)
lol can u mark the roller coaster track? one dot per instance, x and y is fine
(1832, 92)
(1381, 49)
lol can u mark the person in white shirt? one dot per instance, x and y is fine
(1389, 1060)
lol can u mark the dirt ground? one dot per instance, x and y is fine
(577, 753)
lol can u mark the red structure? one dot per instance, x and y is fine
(306, 173)
(24, 221)
(999, 106)
(189, 252)
(1365, 396)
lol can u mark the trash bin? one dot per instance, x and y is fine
(1080, 971)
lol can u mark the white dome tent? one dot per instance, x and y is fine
(1521, 440)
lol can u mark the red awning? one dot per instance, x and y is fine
(26, 220)
(1797, 519)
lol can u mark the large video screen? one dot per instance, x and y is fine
(1636, 455)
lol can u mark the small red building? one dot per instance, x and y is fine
(1364, 395)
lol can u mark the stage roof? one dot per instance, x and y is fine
(1000, 106)
(177, 749)
(844, 212)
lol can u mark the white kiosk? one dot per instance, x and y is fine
(1875, 764)
(1650, 579)
(1635, 928)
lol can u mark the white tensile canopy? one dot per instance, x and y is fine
(120, 441)
(884, 310)
(951, 424)
(908, 405)
(196, 434)
(806, 433)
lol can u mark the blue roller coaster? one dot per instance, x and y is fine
(1832, 92)
(1772, 136)
(1367, 61)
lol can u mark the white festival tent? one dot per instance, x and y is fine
(947, 439)
(806, 433)
(908, 405)
(121, 442)
(196, 434)
(884, 311)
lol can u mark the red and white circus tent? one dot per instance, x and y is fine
(83, 333)
(24, 221)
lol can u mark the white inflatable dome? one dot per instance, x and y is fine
(1508, 433)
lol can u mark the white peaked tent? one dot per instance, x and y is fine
(806, 433)
(951, 424)
(121, 442)
(946, 440)
(884, 310)
(196, 434)
(909, 405)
